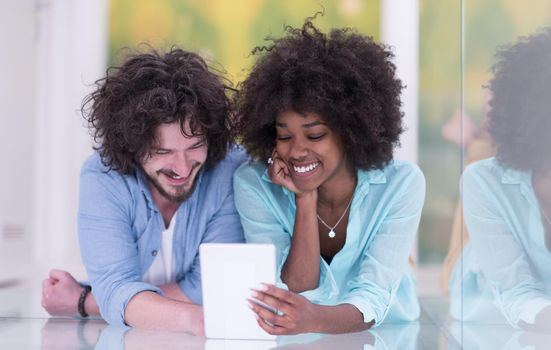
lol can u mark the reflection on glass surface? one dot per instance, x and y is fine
(96, 334)
(23, 329)
(496, 336)
(64, 333)
(507, 198)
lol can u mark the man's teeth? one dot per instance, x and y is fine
(176, 177)
(304, 169)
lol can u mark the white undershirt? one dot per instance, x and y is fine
(161, 270)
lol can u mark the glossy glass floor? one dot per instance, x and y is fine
(24, 325)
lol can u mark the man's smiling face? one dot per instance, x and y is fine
(174, 162)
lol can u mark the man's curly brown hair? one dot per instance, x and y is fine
(150, 89)
(519, 119)
(343, 76)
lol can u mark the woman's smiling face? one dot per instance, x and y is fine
(311, 149)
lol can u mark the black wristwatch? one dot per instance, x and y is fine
(82, 299)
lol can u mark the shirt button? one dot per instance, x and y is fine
(154, 252)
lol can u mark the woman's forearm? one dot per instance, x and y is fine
(341, 318)
(301, 271)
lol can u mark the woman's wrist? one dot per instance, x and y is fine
(306, 198)
(318, 326)
(336, 319)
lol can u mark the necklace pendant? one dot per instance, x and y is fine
(331, 234)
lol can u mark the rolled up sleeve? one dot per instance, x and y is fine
(108, 247)
(385, 258)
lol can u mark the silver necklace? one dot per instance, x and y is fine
(331, 232)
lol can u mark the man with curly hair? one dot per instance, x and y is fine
(323, 111)
(158, 186)
(503, 273)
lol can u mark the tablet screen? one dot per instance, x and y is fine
(228, 272)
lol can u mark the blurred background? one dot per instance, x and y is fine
(55, 49)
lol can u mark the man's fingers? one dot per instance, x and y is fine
(48, 282)
(46, 291)
(58, 274)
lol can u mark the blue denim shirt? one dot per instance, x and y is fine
(371, 271)
(120, 228)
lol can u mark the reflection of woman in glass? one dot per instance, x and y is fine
(507, 199)
(324, 112)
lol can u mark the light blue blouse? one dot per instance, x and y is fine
(506, 265)
(371, 271)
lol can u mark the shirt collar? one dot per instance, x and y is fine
(515, 177)
(143, 184)
(368, 177)
(376, 176)
(523, 179)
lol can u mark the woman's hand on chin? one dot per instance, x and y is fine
(280, 173)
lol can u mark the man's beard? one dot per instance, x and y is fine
(181, 194)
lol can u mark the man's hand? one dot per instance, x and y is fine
(60, 293)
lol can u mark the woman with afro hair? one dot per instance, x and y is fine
(505, 267)
(320, 116)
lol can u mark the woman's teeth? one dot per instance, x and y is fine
(307, 168)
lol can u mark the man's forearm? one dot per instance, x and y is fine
(150, 310)
(173, 291)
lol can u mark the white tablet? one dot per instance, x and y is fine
(228, 272)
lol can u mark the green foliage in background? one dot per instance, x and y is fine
(226, 31)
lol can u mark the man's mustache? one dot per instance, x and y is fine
(167, 172)
(170, 172)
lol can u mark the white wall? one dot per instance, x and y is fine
(71, 55)
(400, 30)
(53, 50)
(17, 96)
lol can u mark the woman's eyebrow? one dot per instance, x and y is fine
(308, 125)
(312, 124)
